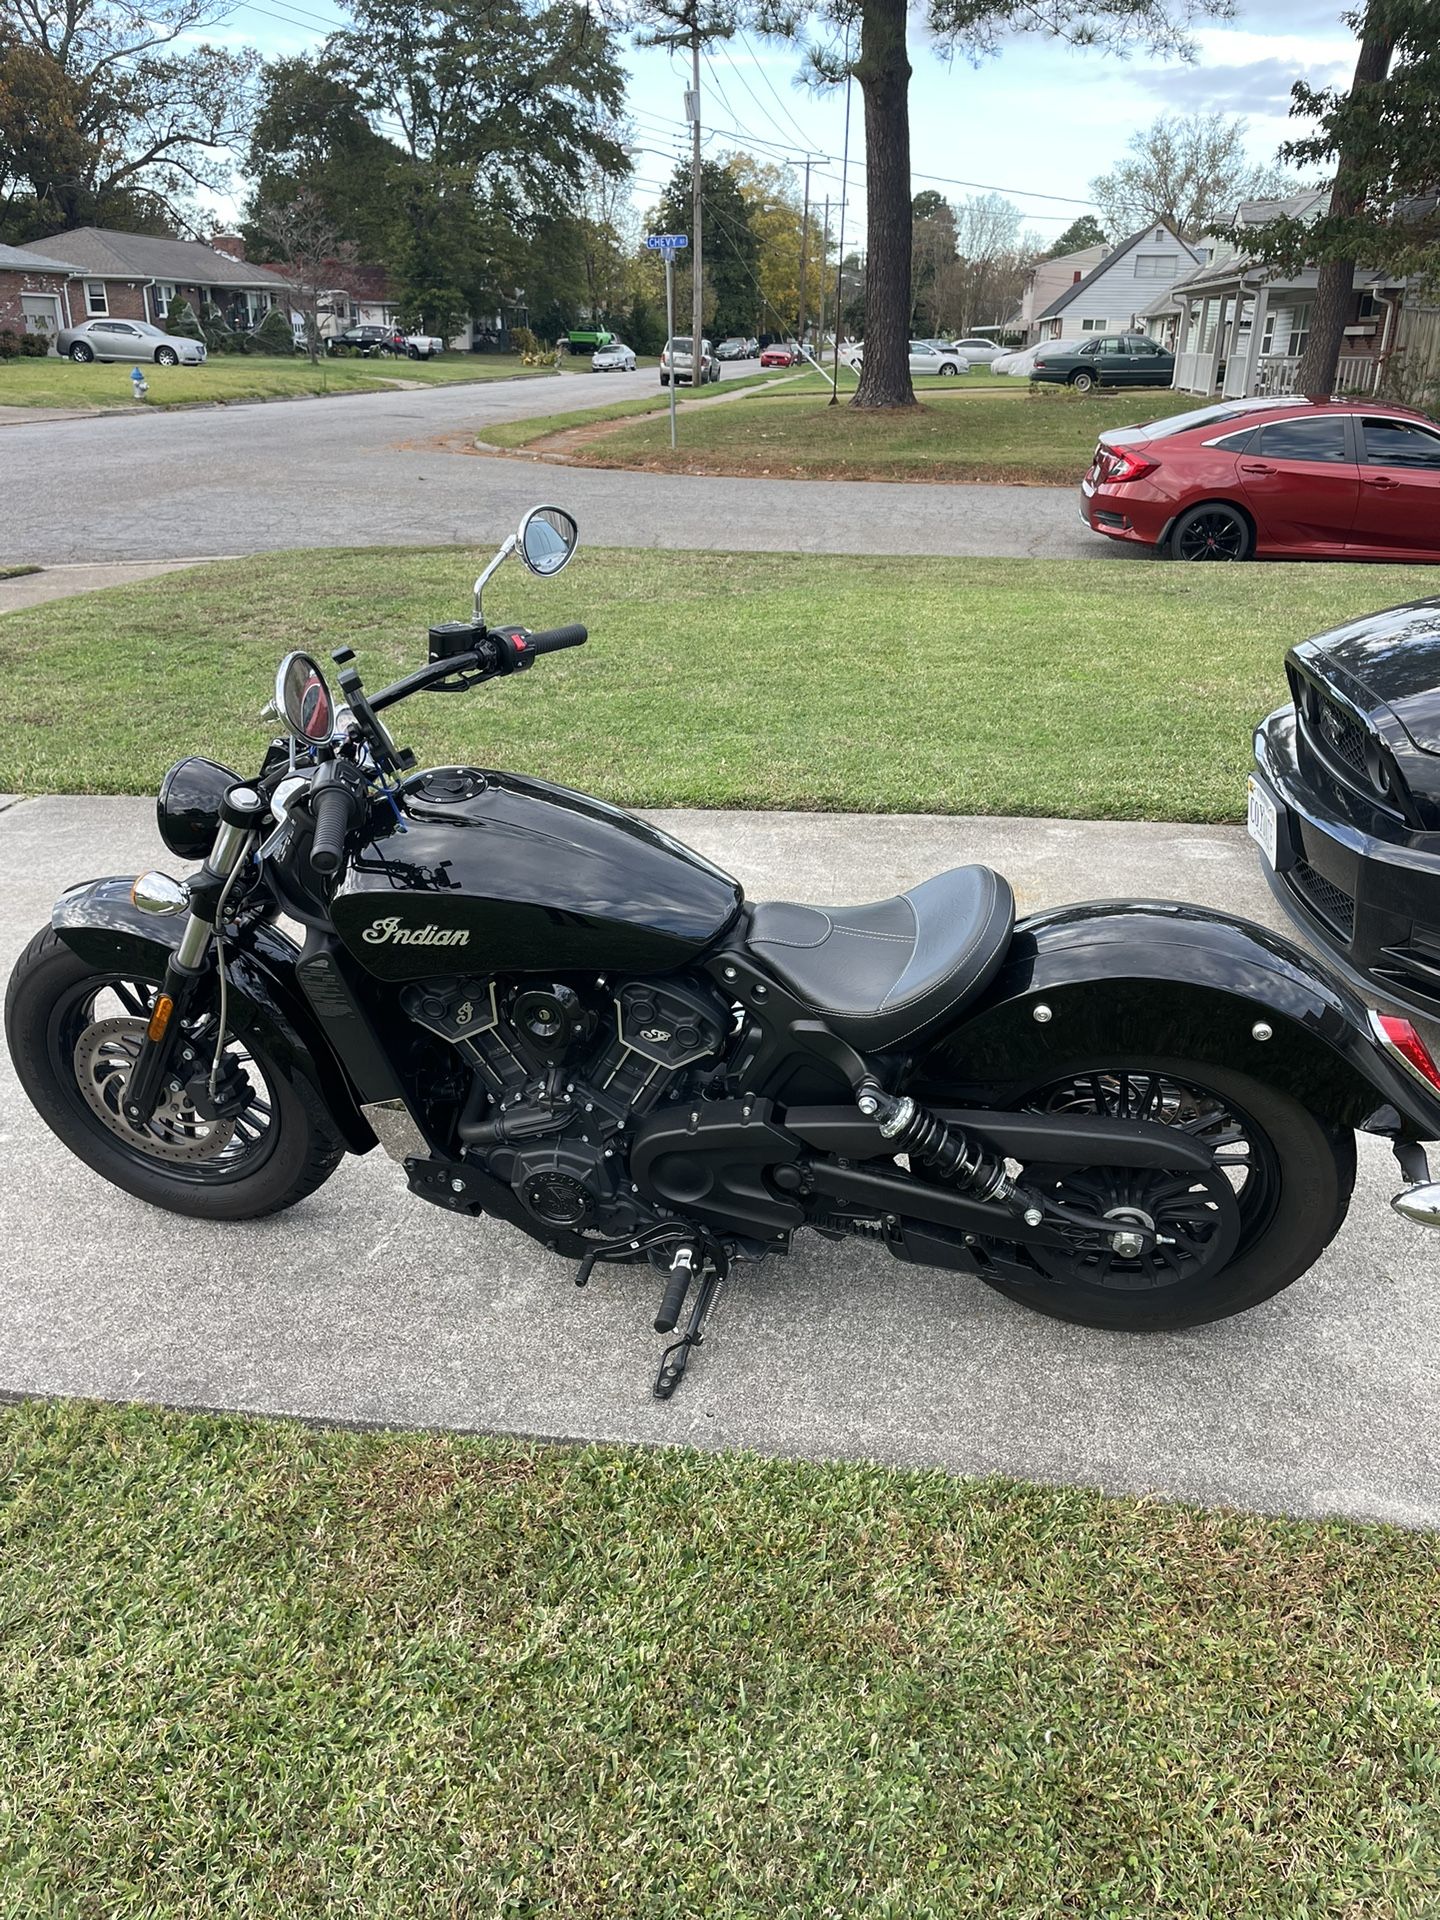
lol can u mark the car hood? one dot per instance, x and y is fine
(1390, 661)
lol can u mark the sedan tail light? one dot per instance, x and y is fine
(1115, 464)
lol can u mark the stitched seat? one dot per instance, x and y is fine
(880, 973)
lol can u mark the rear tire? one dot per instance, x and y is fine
(1212, 531)
(1293, 1190)
(49, 1009)
(1083, 382)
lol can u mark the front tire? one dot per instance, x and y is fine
(1291, 1176)
(73, 1029)
(166, 357)
(81, 354)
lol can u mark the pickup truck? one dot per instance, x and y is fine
(382, 341)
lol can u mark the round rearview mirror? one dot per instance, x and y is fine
(548, 537)
(303, 699)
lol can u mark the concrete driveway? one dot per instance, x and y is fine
(368, 470)
(364, 1304)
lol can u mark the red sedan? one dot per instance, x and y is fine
(779, 356)
(1325, 479)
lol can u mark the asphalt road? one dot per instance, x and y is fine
(368, 470)
(365, 1304)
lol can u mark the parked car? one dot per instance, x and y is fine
(977, 351)
(423, 346)
(779, 354)
(1107, 360)
(753, 347)
(925, 357)
(585, 340)
(616, 358)
(366, 341)
(1328, 479)
(676, 361)
(128, 340)
(733, 349)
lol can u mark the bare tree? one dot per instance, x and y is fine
(317, 261)
(1189, 170)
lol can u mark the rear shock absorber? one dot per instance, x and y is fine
(955, 1154)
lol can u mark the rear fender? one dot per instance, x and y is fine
(99, 921)
(1153, 978)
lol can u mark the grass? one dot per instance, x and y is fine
(1013, 434)
(60, 383)
(1114, 688)
(524, 433)
(15, 572)
(258, 1672)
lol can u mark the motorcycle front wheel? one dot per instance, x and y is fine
(75, 1031)
(1277, 1199)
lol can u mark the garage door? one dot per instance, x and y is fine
(42, 313)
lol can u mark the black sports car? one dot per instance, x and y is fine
(1345, 801)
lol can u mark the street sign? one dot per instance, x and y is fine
(666, 242)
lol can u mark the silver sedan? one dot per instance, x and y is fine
(616, 358)
(129, 340)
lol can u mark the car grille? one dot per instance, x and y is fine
(1344, 737)
(1330, 903)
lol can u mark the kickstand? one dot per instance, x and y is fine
(675, 1359)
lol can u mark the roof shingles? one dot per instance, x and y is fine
(109, 255)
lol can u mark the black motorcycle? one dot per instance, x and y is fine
(1132, 1115)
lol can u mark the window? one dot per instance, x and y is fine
(1368, 307)
(1112, 343)
(1395, 443)
(1137, 343)
(96, 300)
(1092, 326)
(164, 294)
(1155, 266)
(1286, 330)
(1234, 442)
(1320, 440)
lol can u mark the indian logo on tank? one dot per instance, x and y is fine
(393, 930)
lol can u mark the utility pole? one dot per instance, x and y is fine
(824, 263)
(697, 279)
(804, 252)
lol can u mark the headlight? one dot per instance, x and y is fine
(187, 808)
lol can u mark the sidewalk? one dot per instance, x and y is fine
(364, 1304)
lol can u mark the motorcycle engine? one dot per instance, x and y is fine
(561, 1074)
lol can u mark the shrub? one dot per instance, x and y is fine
(35, 346)
(523, 342)
(181, 321)
(9, 344)
(274, 333)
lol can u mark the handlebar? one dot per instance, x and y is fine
(331, 808)
(553, 639)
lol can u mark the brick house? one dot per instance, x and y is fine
(34, 294)
(135, 276)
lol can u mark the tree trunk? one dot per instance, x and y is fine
(1330, 313)
(883, 71)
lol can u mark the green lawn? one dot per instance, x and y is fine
(60, 383)
(258, 1672)
(1120, 687)
(1013, 433)
(523, 433)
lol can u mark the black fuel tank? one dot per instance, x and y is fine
(497, 873)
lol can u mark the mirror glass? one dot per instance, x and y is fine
(548, 537)
(303, 699)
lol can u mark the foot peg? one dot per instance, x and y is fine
(682, 1272)
(674, 1360)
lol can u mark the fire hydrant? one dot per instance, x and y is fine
(139, 385)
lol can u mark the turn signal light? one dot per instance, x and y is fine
(1400, 1039)
(160, 1018)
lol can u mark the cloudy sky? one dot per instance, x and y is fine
(1036, 121)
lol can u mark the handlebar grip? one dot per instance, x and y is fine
(332, 808)
(553, 639)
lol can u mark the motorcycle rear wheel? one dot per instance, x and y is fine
(73, 1031)
(1292, 1177)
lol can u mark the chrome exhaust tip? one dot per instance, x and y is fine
(1420, 1205)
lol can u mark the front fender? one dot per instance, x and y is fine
(1155, 977)
(100, 921)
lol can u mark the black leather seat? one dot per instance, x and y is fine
(880, 973)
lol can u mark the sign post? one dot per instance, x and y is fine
(669, 244)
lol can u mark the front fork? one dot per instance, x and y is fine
(240, 814)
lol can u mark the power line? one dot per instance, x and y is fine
(760, 68)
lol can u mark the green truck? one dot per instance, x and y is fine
(585, 340)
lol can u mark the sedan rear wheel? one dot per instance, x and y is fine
(1082, 381)
(166, 357)
(1214, 531)
(81, 354)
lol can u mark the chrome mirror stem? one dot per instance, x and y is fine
(501, 557)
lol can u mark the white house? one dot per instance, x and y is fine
(1045, 282)
(1242, 326)
(1113, 297)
